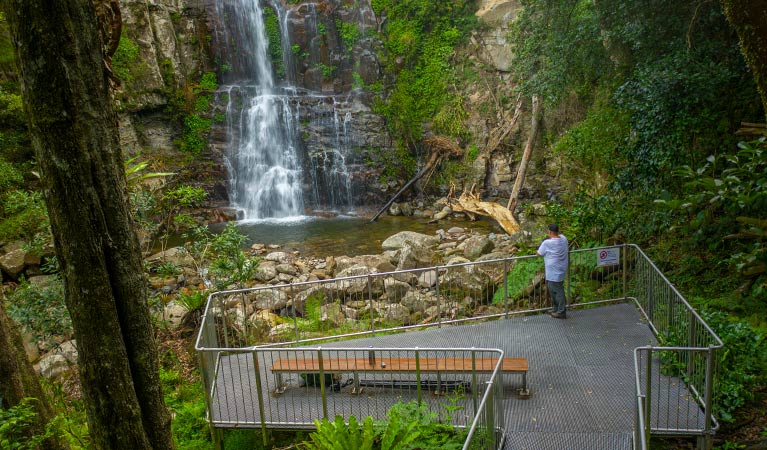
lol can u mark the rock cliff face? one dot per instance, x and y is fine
(168, 43)
(326, 51)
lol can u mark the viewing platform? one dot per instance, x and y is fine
(599, 379)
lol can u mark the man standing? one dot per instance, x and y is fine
(555, 258)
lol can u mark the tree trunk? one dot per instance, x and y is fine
(19, 380)
(749, 18)
(75, 137)
(535, 124)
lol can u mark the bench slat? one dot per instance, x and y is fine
(398, 365)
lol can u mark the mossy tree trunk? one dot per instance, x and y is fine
(749, 18)
(19, 380)
(74, 132)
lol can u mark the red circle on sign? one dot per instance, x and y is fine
(603, 254)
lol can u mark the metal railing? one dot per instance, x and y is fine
(258, 320)
(687, 356)
(244, 389)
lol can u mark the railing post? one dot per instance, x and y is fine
(439, 297)
(225, 320)
(506, 286)
(295, 319)
(625, 259)
(474, 378)
(372, 310)
(418, 374)
(648, 395)
(691, 343)
(568, 294)
(257, 369)
(490, 411)
(322, 384)
(708, 400)
(206, 384)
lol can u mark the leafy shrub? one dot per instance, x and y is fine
(125, 56)
(190, 430)
(272, 24)
(195, 134)
(742, 363)
(9, 176)
(208, 82)
(193, 301)
(232, 265)
(350, 34)
(519, 279)
(187, 196)
(41, 309)
(408, 426)
(16, 424)
(24, 214)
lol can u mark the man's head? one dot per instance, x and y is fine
(553, 229)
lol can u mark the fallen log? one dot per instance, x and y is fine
(470, 203)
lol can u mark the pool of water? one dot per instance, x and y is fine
(338, 236)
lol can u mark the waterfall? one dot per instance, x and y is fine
(289, 142)
(262, 158)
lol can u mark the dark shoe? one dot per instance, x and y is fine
(559, 315)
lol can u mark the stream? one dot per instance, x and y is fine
(336, 236)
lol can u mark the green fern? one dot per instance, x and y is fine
(399, 433)
(337, 435)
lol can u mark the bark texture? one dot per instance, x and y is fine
(74, 132)
(749, 18)
(18, 379)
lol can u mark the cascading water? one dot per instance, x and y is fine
(264, 170)
(292, 145)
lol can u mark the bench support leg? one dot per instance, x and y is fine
(356, 389)
(280, 385)
(524, 392)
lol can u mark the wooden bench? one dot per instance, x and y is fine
(396, 365)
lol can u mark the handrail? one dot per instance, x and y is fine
(713, 334)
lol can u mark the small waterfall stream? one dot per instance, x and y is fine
(287, 147)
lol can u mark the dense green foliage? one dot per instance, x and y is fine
(15, 426)
(125, 57)
(659, 92)
(419, 40)
(272, 24)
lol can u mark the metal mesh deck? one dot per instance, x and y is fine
(581, 379)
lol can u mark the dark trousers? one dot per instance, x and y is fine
(558, 297)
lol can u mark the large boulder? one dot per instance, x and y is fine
(462, 281)
(398, 240)
(476, 246)
(265, 272)
(393, 314)
(418, 301)
(280, 257)
(415, 255)
(176, 255)
(173, 314)
(395, 289)
(269, 299)
(58, 361)
(12, 263)
(380, 263)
